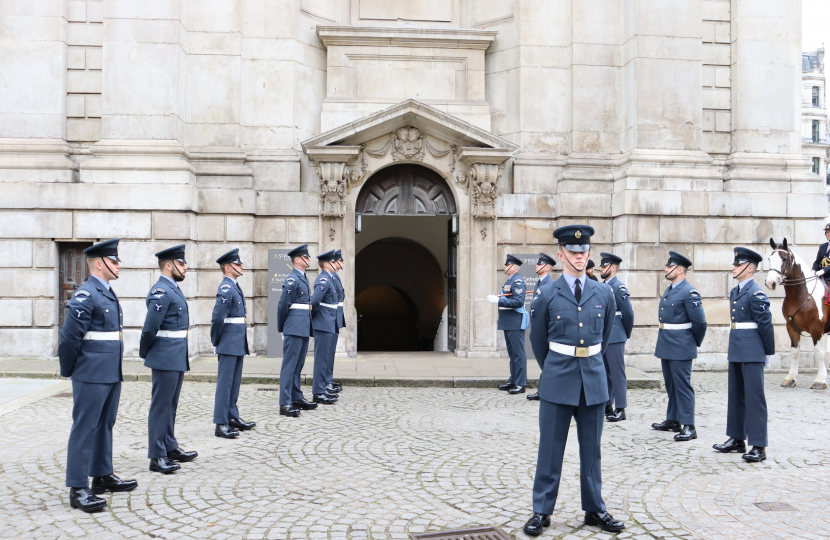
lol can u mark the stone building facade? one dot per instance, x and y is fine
(815, 141)
(470, 128)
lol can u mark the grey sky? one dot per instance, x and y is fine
(815, 24)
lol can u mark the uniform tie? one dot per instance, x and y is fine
(578, 291)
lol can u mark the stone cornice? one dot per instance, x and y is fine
(445, 38)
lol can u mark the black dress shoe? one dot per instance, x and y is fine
(604, 520)
(686, 434)
(163, 465)
(225, 431)
(756, 455)
(507, 386)
(337, 385)
(84, 499)
(516, 390)
(667, 425)
(731, 445)
(335, 397)
(240, 424)
(616, 415)
(112, 483)
(534, 396)
(288, 410)
(609, 410)
(324, 399)
(304, 404)
(182, 456)
(535, 524)
(331, 389)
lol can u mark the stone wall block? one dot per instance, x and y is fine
(723, 231)
(695, 203)
(645, 312)
(642, 341)
(534, 179)
(540, 232)
(802, 205)
(717, 311)
(809, 231)
(303, 230)
(510, 231)
(269, 230)
(260, 310)
(654, 203)
(226, 201)
(44, 253)
(17, 253)
(173, 226)
(278, 203)
(135, 311)
(772, 228)
(648, 257)
(34, 342)
(36, 224)
(730, 204)
(240, 228)
(276, 175)
(681, 230)
(602, 230)
(139, 197)
(141, 255)
(34, 283)
(210, 228)
(201, 309)
(207, 253)
(132, 283)
(113, 225)
(716, 340)
(640, 284)
(636, 229)
(533, 206)
(582, 204)
(713, 257)
(770, 205)
(709, 284)
(45, 312)
(15, 312)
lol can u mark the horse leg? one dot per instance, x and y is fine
(821, 377)
(790, 379)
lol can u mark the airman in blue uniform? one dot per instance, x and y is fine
(228, 334)
(579, 315)
(294, 322)
(513, 320)
(324, 302)
(751, 346)
(682, 329)
(538, 329)
(614, 355)
(332, 386)
(91, 350)
(163, 347)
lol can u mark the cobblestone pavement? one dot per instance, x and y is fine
(386, 462)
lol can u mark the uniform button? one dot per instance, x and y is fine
(733, 309)
(600, 315)
(106, 311)
(735, 302)
(672, 304)
(579, 309)
(558, 317)
(661, 309)
(581, 341)
(580, 325)
(180, 309)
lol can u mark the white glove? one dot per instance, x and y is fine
(767, 361)
(821, 272)
(493, 298)
(214, 350)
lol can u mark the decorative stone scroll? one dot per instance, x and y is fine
(332, 189)
(484, 178)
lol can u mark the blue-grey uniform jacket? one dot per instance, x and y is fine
(296, 292)
(538, 326)
(324, 301)
(93, 308)
(624, 322)
(166, 310)
(750, 305)
(509, 319)
(229, 338)
(581, 324)
(680, 305)
(341, 297)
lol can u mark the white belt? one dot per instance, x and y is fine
(618, 314)
(172, 333)
(103, 336)
(744, 326)
(340, 304)
(306, 307)
(578, 352)
(684, 326)
(505, 308)
(235, 320)
(332, 306)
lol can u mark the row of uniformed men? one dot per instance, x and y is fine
(91, 351)
(578, 333)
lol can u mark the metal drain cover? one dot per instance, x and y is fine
(776, 507)
(475, 533)
(267, 389)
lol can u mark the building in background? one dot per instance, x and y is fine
(814, 135)
(445, 132)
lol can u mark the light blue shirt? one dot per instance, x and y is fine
(743, 284)
(171, 280)
(673, 285)
(107, 285)
(571, 281)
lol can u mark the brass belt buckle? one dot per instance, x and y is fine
(734, 327)
(662, 327)
(581, 352)
(121, 335)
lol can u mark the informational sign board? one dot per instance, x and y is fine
(279, 266)
(528, 273)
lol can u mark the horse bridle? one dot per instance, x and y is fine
(785, 281)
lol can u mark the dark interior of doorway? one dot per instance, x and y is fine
(399, 296)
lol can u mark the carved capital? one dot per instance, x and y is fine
(484, 179)
(332, 189)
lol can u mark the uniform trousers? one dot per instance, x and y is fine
(747, 406)
(614, 358)
(554, 423)
(330, 367)
(90, 440)
(161, 422)
(515, 341)
(677, 374)
(294, 349)
(324, 345)
(228, 380)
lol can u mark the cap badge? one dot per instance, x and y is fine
(578, 234)
(736, 253)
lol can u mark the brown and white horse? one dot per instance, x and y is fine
(804, 308)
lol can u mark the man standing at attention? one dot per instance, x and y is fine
(614, 355)
(228, 334)
(538, 330)
(324, 302)
(91, 351)
(163, 347)
(682, 328)
(579, 315)
(513, 320)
